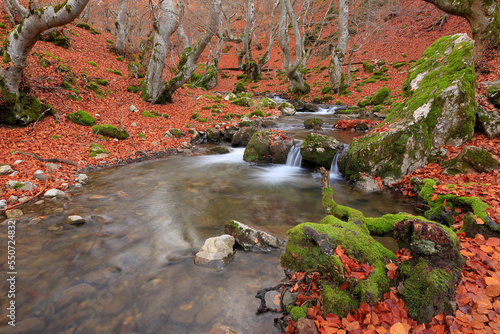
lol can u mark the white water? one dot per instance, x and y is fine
(294, 157)
(327, 111)
(334, 168)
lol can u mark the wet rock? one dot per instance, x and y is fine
(219, 150)
(320, 149)
(83, 179)
(306, 326)
(213, 135)
(242, 136)
(13, 213)
(489, 121)
(362, 126)
(312, 107)
(298, 105)
(252, 239)
(440, 111)
(289, 298)
(73, 294)
(368, 184)
(267, 147)
(27, 325)
(6, 170)
(54, 193)
(471, 159)
(287, 109)
(490, 229)
(267, 123)
(216, 252)
(311, 123)
(75, 220)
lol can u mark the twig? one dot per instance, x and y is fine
(133, 143)
(64, 161)
(39, 117)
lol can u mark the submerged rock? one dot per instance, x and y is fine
(252, 239)
(440, 111)
(216, 252)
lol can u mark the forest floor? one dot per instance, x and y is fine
(401, 40)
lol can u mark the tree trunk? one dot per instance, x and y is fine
(165, 26)
(338, 52)
(120, 28)
(17, 48)
(245, 54)
(483, 17)
(189, 58)
(297, 82)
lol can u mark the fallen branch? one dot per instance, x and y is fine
(63, 161)
(133, 143)
(39, 117)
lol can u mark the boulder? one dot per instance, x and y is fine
(3, 203)
(312, 107)
(108, 130)
(252, 239)
(440, 110)
(214, 135)
(320, 149)
(471, 159)
(216, 252)
(312, 123)
(25, 185)
(493, 89)
(268, 147)
(242, 136)
(80, 117)
(6, 170)
(489, 120)
(287, 109)
(54, 193)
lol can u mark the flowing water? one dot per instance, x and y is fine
(129, 268)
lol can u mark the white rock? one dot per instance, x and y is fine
(83, 179)
(54, 193)
(75, 219)
(216, 251)
(230, 96)
(17, 162)
(133, 108)
(3, 203)
(6, 170)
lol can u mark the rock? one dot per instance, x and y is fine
(3, 204)
(306, 326)
(297, 104)
(134, 124)
(312, 246)
(133, 108)
(97, 151)
(289, 298)
(242, 101)
(493, 89)
(175, 132)
(213, 135)
(361, 126)
(242, 136)
(312, 107)
(267, 123)
(230, 132)
(108, 130)
(471, 159)
(75, 220)
(287, 109)
(490, 229)
(439, 111)
(26, 199)
(216, 252)
(26, 185)
(489, 120)
(51, 167)
(13, 213)
(229, 97)
(219, 150)
(13, 198)
(320, 149)
(83, 179)
(267, 147)
(80, 117)
(380, 96)
(368, 184)
(54, 193)
(221, 329)
(6, 170)
(39, 175)
(168, 135)
(311, 123)
(252, 239)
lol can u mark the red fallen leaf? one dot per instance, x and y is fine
(397, 328)
(344, 286)
(493, 242)
(332, 318)
(434, 196)
(479, 221)
(364, 308)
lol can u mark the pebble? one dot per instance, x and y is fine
(75, 219)
(13, 198)
(83, 179)
(13, 213)
(3, 203)
(17, 162)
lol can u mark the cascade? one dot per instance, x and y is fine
(294, 157)
(334, 168)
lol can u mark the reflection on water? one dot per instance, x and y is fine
(129, 268)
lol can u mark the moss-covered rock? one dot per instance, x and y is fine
(267, 147)
(471, 159)
(241, 137)
(97, 150)
(320, 149)
(380, 96)
(489, 121)
(312, 123)
(239, 88)
(80, 117)
(287, 109)
(108, 130)
(493, 90)
(213, 135)
(242, 101)
(440, 110)
(488, 228)
(20, 109)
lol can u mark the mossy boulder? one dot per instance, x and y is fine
(489, 121)
(213, 135)
(175, 132)
(96, 150)
(242, 101)
(80, 117)
(267, 147)
(380, 96)
(252, 239)
(287, 109)
(487, 228)
(312, 123)
(471, 159)
(108, 130)
(320, 149)
(311, 246)
(241, 137)
(19, 109)
(440, 110)
(493, 90)
(239, 88)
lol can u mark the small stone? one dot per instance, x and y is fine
(13, 198)
(40, 202)
(6, 170)
(51, 167)
(216, 252)
(23, 200)
(3, 203)
(13, 213)
(51, 193)
(83, 179)
(17, 162)
(34, 221)
(40, 176)
(75, 220)
(133, 124)
(133, 108)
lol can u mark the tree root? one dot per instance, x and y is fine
(34, 155)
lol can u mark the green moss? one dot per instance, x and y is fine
(3, 25)
(380, 96)
(92, 63)
(133, 89)
(336, 301)
(256, 113)
(81, 118)
(384, 225)
(110, 131)
(102, 82)
(239, 88)
(312, 122)
(147, 113)
(96, 149)
(59, 6)
(115, 72)
(298, 312)
(95, 88)
(58, 38)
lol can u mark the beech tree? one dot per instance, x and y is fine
(292, 69)
(483, 17)
(338, 52)
(18, 106)
(120, 27)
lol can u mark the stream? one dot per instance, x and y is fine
(129, 268)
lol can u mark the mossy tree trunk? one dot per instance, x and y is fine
(297, 82)
(15, 11)
(483, 17)
(189, 58)
(164, 26)
(19, 43)
(338, 52)
(120, 28)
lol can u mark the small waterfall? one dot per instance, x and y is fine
(294, 157)
(334, 168)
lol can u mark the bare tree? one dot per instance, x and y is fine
(483, 17)
(338, 52)
(120, 25)
(292, 69)
(17, 48)
(245, 54)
